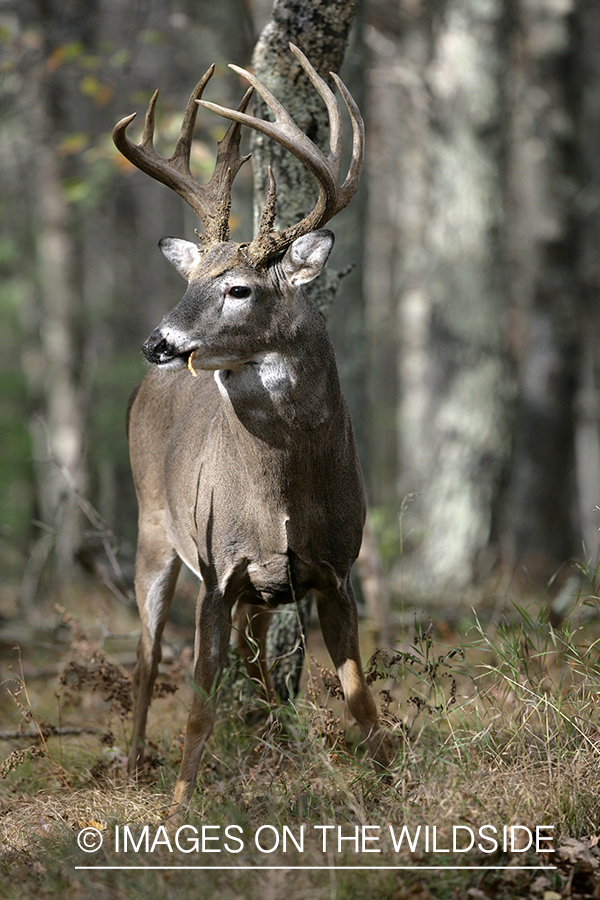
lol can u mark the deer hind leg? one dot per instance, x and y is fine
(213, 629)
(157, 568)
(251, 624)
(339, 623)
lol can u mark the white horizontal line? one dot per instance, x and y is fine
(329, 868)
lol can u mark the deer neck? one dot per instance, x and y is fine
(284, 393)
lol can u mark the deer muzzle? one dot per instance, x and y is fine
(157, 349)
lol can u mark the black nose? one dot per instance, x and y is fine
(156, 348)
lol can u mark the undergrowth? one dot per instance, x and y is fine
(498, 730)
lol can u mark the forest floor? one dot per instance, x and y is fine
(493, 790)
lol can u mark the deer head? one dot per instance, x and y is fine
(229, 284)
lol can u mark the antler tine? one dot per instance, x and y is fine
(350, 184)
(326, 169)
(183, 147)
(211, 202)
(228, 152)
(335, 119)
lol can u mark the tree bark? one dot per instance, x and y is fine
(444, 198)
(485, 224)
(464, 435)
(320, 28)
(587, 225)
(540, 526)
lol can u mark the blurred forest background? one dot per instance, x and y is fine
(468, 333)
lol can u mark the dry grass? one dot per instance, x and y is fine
(501, 730)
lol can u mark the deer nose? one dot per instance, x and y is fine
(157, 349)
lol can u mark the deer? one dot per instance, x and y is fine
(241, 446)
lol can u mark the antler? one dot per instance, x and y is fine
(211, 202)
(326, 169)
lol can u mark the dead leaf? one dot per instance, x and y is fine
(575, 853)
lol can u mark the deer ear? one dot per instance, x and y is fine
(184, 255)
(305, 258)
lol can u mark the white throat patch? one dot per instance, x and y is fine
(274, 374)
(266, 372)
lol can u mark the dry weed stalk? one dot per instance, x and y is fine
(88, 668)
(18, 757)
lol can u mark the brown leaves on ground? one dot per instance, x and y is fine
(579, 860)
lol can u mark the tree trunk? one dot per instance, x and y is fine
(444, 113)
(485, 224)
(60, 450)
(540, 527)
(320, 28)
(58, 434)
(587, 211)
(464, 436)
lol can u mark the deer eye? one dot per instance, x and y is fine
(239, 291)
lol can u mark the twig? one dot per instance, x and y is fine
(47, 731)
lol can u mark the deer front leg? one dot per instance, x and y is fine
(339, 624)
(157, 568)
(213, 628)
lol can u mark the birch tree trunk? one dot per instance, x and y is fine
(442, 106)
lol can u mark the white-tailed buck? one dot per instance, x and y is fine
(248, 472)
